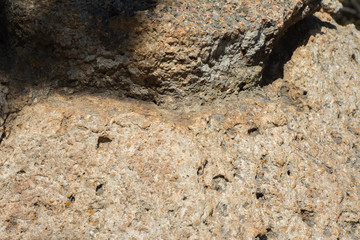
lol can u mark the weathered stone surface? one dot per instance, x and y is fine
(146, 49)
(331, 6)
(279, 162)
(4, 108)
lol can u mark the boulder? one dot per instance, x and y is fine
(277, 162)
(150, 49)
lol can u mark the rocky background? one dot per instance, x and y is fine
(250, 128)
(150, 49)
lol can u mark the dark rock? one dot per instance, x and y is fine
(176, 47)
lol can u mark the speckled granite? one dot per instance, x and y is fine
(277, 162)
(148, 49)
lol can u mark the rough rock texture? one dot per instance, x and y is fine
(331, 6)
(278, 162)
(146, 49)
(4, 108)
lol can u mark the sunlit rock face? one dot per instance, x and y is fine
(148, 49)
(277, 162)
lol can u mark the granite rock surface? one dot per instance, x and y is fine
(150, 49)
(277, 162)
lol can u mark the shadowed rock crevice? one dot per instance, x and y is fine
(296, 36)
(2, 136)
(103, 142)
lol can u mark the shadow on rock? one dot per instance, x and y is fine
(60, 36)
(296, 36)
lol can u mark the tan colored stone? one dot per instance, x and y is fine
(278, 162)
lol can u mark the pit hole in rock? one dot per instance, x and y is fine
(219, 183)
(337, 138)
(353, 58)
(241, 86)
(201, 169)
(103, 142)
(100, 189)
(261, 237)
(308, 217)
(253, 131)
(268, 235)
(291, 39)
(70, 200)
(259, 195)
(21, 171)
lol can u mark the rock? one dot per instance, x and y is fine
(331, 6)
(277, 162)
(173, 48)
(4, 108)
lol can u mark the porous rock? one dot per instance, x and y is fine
(279, 162)
(147, 49)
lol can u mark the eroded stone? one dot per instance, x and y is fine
(176, 48)
(279, 162)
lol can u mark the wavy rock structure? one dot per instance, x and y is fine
(280, 161)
